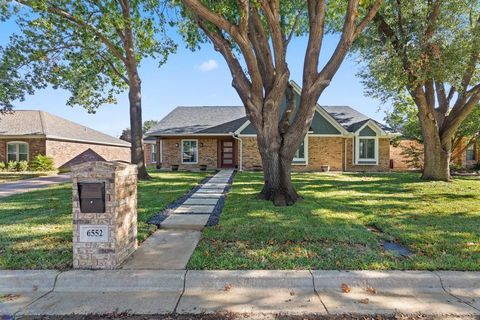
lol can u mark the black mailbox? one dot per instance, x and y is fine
(92, 197)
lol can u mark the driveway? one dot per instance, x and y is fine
(22, 186)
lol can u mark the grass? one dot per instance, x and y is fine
(15, 176)
(36, 227)
(439, 222)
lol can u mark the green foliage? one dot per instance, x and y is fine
(53, 50)
(11, 166)
(22, 166)
(42, 163)
(443, 56)
(402, 118)
(3, 166)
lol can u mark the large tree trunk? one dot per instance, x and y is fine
(136, 124)
(277, 162)
(437, 153)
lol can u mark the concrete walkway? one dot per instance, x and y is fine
(256, 291)
(22, 186)
(171, 247)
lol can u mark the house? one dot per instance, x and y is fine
(27, 133)
(222, 137)
(466, 154)
(150, 151)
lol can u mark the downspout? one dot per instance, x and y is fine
(240, 165)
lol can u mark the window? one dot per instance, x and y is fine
(17, 151)
(154, 153)
(300, 154)
(471, 152)
(189, 151)
(366, 149)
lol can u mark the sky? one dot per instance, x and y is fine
(199, 78)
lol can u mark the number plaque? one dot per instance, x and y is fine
(93, 233)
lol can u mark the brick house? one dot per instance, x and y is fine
(27, 133)
(465, 154)
(150, 151)
(222, 137)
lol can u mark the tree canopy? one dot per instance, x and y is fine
(78, 46)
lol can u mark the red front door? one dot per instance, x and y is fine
(227, 153)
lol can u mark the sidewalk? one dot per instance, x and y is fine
(22, 186)
(268, 292)
(171, 247)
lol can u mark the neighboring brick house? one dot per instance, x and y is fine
(463, 154)
(27, 133)
(150, 151)
(222, 137)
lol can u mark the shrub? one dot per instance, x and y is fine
(11, 166)
(42, 163)
(3, 166)
(476, 167)
(22, 165)
(455, 167)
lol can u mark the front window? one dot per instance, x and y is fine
(366, 149)
(471, 152)
(189, 151)
(300, 154)
(154, 153)
(17, 151)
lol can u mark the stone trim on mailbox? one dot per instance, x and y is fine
(103, 239)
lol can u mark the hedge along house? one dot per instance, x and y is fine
(27, 133)
(340, 139)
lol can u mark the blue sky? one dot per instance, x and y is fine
(195, 79)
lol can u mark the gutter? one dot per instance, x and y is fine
(235, 136)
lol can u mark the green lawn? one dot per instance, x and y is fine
(36, 227)
(439, 222)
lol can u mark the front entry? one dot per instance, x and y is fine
(227, 154)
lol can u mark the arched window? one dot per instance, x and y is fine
(367, 146)
(17, 151)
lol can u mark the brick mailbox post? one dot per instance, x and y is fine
(104, 214)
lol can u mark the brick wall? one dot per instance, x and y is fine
(35, 147)
(400, 159)
(149, 161)
(321, 151)
(207, 154)
(63, 151)
(251, 156)
(383, 155)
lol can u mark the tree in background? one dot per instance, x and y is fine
(253, 38)
(429, 50)
(147, 125)
(91, 48)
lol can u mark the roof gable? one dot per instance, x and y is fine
(41, 123)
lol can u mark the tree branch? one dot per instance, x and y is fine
(68, 16)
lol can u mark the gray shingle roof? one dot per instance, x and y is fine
(349, 118)
(225, 119)
(200, 120)
(36, 122)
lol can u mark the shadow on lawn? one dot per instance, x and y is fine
(432, 221)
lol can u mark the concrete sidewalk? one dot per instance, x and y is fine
(26, 185)
(256, 291)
